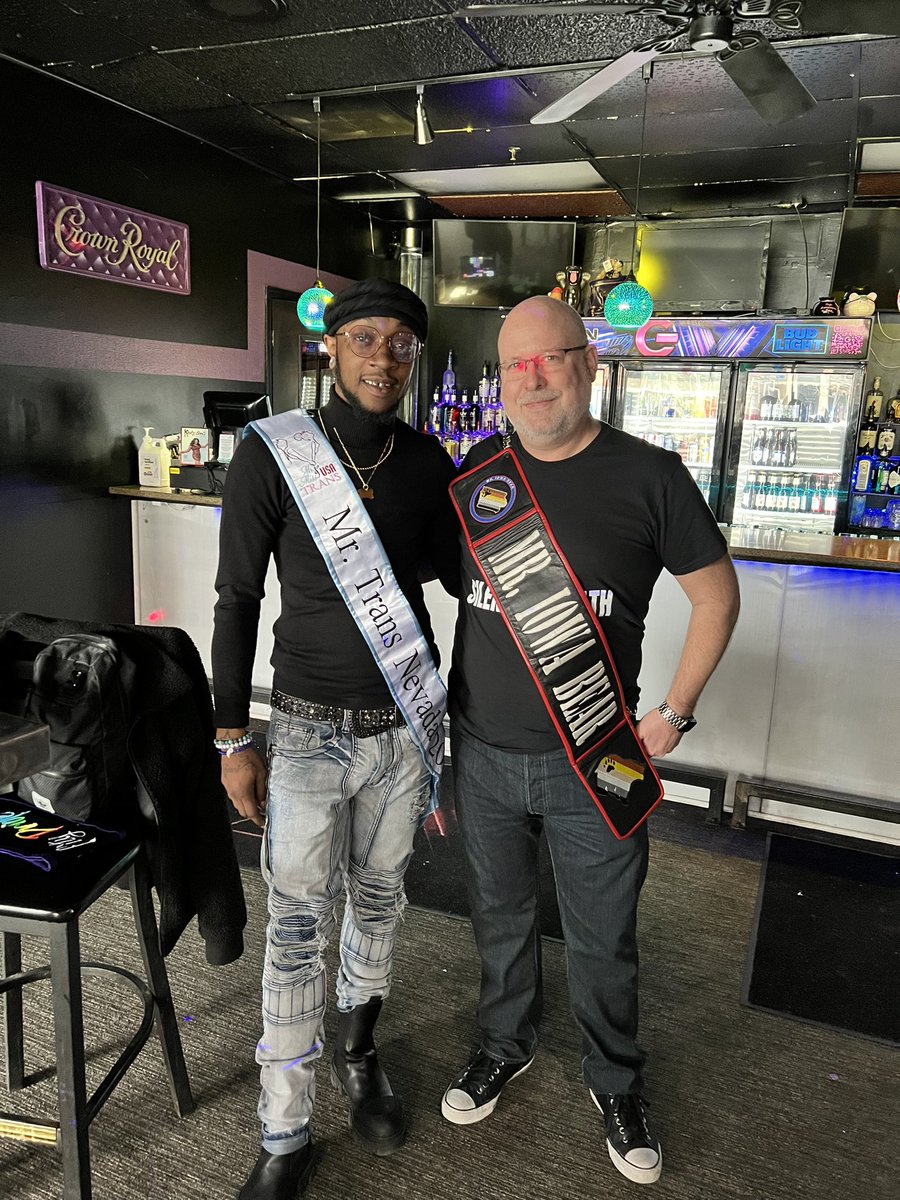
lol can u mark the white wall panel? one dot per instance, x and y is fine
(836, 713)
(176, 555)
(734, 710)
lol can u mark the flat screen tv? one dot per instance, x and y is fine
(495, 264)
(868, 257)
(704, 268)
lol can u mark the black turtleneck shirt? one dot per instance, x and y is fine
(319, 653)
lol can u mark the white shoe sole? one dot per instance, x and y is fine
(471, 1116)
(623, 1166)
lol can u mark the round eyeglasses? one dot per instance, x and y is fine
(366, 342)
(549, 361)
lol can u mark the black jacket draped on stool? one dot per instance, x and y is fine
(179, 794)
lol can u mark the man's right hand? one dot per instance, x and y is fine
(244, 779)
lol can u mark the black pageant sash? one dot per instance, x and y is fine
(559, 637)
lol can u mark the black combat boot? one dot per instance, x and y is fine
(376, 1115)
(280, 1176)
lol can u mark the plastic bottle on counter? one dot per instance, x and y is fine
(153, 461)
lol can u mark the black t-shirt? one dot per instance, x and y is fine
(320, 654)
(621, 511)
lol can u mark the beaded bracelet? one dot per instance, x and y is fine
(228, 746)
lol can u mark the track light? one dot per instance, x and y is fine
(424, 132)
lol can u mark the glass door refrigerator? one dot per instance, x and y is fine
(601, 391)
(793, 437)
(682, 407)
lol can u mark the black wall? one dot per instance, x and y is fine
(67, 435)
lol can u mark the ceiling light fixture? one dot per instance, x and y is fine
(424, 133)
(629, 306)
(313, 302)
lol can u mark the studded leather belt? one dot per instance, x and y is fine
(361, 722)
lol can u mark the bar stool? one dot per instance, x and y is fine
(51, 872)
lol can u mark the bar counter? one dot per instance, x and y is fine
(805, 694)
(813, 549)
(745, 543)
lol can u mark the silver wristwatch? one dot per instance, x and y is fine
(676, 720)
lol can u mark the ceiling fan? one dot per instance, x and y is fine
(750, 59)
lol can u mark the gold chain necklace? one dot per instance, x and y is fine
(365, 488)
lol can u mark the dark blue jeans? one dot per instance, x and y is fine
(503, 801)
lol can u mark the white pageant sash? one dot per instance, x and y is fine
(352, 550)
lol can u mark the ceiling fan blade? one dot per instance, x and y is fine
(843, 16)
(566, 106)
(531, 10)
(765, 79)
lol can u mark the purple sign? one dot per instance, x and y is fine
(87, 236)
(731, 337)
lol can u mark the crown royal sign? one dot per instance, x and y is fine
(86, 236)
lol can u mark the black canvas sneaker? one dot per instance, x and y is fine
(632, 1147)
(474, 1095)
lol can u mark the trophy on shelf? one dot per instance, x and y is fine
(601, 285)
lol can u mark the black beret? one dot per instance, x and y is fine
(377, 298)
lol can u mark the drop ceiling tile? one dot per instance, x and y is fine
(168, 24)
(148, 83)
(536, 177)
(560, 39)
(879, 117)
(39, 31)
(270, 72)
(880, 67)
(346, 118)
(716, 166)
(482, 148)
(483, 104)
(231, 125)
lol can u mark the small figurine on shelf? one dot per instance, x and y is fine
(859, 304)
(826, 307)
(574, 284)
(610, 276)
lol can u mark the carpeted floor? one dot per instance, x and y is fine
(826, 939)
(748, 1105)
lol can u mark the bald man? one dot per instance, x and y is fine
(619, 510)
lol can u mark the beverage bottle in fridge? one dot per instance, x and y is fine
(448, 383)
(791, 448)
(760, 444)
(830, 504)
(794, 494)
(749, 490)
(815, 494)
(874, 400)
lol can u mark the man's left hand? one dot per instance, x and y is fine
(658, 736)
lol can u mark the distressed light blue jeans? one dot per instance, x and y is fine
(341, 817)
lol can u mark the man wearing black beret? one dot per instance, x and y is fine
(352, 505)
